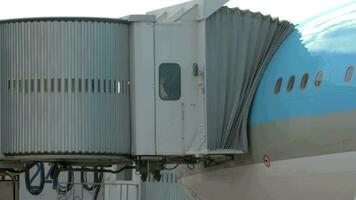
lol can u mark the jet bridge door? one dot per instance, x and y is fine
(174, 57)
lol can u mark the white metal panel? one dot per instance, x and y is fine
(122, 191)
(140, 18)
(172, 13)
(2, 87)
(198, 142)
(208, 7)
(142, 87)
(177, 122)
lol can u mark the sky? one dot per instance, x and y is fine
(295, 10)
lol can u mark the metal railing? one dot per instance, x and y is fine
(108, 191)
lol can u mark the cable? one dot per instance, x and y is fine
(64, 189)
(49, 174)
(13, 171)
(83, 179)
(190, 166)
(18, 171)
(4, 173)
(36, 173)
(98, 179)
(54, 173)
(35, 190)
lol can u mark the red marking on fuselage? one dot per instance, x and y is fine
(267, 160)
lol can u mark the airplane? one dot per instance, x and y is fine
(302, 130)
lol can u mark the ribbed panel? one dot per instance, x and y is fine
(59, 84)
(167, 188)
(239, 45)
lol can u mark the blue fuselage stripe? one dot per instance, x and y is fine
(299, 55)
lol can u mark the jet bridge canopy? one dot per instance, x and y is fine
(239, 45)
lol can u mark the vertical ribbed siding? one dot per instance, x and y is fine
(167, 188)
(239, 45)
(1, 94)
(54, 113)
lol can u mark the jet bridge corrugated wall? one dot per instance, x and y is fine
(65, 86)
(239, 45)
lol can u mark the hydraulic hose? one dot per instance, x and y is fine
(98, 179)
(35, 190)
(83, 179)
(64, 189)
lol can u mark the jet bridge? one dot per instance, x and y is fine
(194, 71)
(172, 86)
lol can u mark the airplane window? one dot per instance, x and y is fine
(318, 79)
(348, 74)
(290, 83)
(304, 82)
(278, 85)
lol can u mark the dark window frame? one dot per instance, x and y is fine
(290, 84)
(304, 81)
(349, 74)
(171, 65)
(319, 78)
(278, 85)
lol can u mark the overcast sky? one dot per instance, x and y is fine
(295, 10)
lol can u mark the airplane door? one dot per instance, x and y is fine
(169, 71)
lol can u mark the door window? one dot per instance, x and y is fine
(169, 81)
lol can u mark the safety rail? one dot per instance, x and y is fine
(108, 191)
